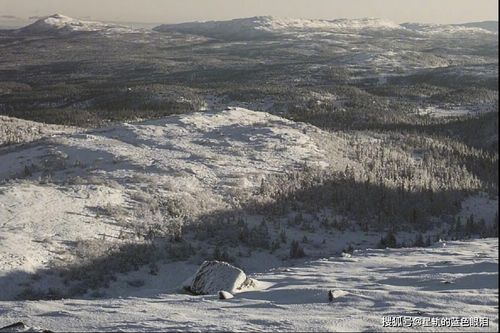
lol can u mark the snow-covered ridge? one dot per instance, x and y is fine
(258, 27)
(362, 23)
(61, 23)
(269, 26)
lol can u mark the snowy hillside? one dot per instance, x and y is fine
(58, 23)
(196, 164)
(450, 280)
(263, 27)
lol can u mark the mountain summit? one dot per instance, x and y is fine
(59, 23)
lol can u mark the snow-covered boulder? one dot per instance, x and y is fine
(225, 295)
(214, 276)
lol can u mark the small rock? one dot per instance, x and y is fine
(225, 295)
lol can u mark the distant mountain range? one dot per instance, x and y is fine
(263, 27)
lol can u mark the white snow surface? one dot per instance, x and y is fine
(456, 279)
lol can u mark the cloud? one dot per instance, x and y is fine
(10, 17)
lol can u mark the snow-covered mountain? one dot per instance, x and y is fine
(268, 26)
(58, 23)
(263, 27)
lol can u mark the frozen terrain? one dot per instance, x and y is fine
(454, 279)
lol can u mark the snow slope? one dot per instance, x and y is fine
(58, 23)
(457, 279)
(203, 162)
(53, 193)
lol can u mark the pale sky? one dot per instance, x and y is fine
(172, 11)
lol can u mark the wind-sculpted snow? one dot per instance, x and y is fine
(448, 280)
